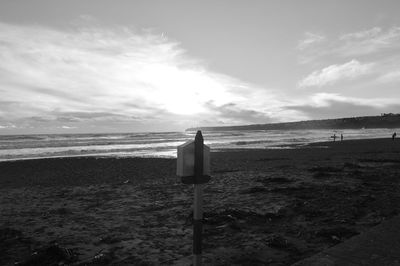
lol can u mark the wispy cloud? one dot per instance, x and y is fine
(369, 41)
(335, 73)
(331, 105)
(371, 33)
(391, 77)
(310, 40)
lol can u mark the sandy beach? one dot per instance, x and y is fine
(262, 207)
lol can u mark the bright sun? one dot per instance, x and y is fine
(185, 92)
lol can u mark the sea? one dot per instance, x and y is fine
(164, 144)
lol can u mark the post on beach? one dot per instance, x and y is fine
(193, 166)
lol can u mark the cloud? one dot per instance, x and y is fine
(328, 105)
(334, 73)
(309, 40)
(233, 114)
(324, 99)
(369, 41)
(7, 126)
(371, 33)
(67, 127)
(102, 74)
(391, 77)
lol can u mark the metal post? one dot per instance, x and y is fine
(198, 199)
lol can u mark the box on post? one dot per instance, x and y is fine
(185, 160)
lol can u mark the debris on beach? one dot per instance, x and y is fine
(51, 255)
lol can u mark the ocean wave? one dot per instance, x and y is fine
(156, 143)
(240, 143)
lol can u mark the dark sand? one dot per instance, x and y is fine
(262, 207)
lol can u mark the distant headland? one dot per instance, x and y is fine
(385, 120)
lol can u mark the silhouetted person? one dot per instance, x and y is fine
(334, 137)
(341, 137)
(394, 135)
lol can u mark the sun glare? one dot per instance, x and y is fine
(182, 91)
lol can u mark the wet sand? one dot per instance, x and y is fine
(262, 207)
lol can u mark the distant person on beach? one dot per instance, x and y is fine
(341, 137)
(334, 137)
(394, 135)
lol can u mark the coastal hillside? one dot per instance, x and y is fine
(382, 121)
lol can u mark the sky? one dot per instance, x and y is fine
(103, 66)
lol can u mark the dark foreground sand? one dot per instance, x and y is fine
(262, 207)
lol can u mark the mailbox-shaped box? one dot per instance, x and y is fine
(185, 160)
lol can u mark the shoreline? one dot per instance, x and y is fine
(270, 206)
(217, 150)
